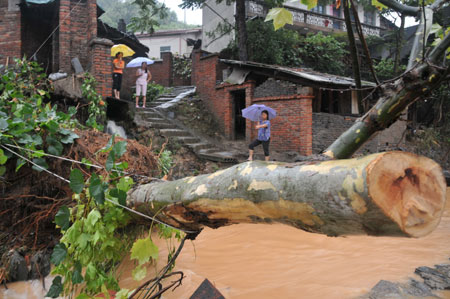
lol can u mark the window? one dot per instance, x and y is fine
(319, 9)
(164, 49)
(369, 18)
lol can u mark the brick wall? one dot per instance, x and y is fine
(328, 127)
(101, 62)
(76, 32)
(291, 130)
(162, 70)
(217, 100)
(10, 31)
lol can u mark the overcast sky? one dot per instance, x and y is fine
(192, 16)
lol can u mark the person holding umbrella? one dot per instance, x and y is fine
(143, 77)
(263, 137)
(262, 114)
(118, 65)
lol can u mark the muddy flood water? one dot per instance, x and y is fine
(278, 261)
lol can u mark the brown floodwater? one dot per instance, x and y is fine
(278, 261)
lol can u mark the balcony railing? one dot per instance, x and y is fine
(302, 16)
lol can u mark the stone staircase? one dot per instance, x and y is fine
(156, 115)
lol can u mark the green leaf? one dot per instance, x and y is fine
(139, 273)
(72, 110)
(83, 296)
(119, 149)
(54, 146)
(280, 17)
(19, 164)
(120, 195)
(143, 250)
(59, 254)
(108, 146)
(82, 241)
(3, 124)
(123, 294)
(93, 217)
(2, 170)
(110, 161)
(379, 5)
(25, 139)
(62, 218)
(125, 184)
(96, 189)
(3, 157)
(76, 181)
(52, 126)
(41, 162)
(77, 277)
(69, 138)
(310, 3)
(56, 288)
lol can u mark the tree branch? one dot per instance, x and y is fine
(439, 50)
(404, 9)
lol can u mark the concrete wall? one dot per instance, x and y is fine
(210, 22)
(328, 127)
(176, 39)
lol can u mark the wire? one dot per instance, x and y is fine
(107, 199)
(74, 161)
(38, 166)
(53, 156)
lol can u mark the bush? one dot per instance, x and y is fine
(154, 90)
(323, 53)
(266, 45)
(385, 69)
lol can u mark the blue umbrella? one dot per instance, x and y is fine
(253, 112)
(138, 62)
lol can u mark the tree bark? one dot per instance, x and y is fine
(391, 193)
(400, 43)
(241, 30)
(354, 54)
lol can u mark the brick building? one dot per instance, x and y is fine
(299, 97)
(53, 32)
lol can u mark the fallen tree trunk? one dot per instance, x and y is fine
(392, 193)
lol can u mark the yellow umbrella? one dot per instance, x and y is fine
(121, 48)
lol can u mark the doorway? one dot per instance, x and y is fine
(238, 121)
(38, 43)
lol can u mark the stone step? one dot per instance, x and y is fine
(188, 139)
(174, 132)
(164, 99)
(199, 146)
(218, 156)
(166, 125)
(147, 113)
(155, 119)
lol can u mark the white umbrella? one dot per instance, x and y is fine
(138, 62)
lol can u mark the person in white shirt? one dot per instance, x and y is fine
(143, 77)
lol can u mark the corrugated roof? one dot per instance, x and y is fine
(301, 76)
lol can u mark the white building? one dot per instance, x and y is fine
(178, 41)
(324, 18)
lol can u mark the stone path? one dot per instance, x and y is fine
(157, 115)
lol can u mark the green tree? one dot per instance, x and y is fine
(266, 45)
(240, 21)
(127, 10)
(323, 53)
